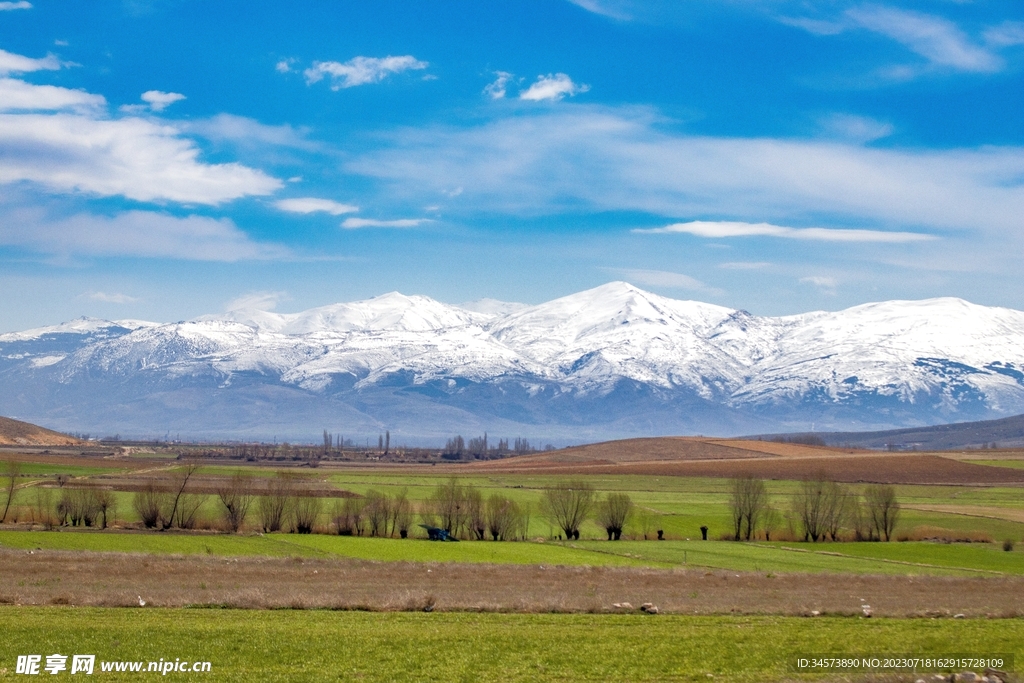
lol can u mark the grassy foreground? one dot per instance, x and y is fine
(319, 646)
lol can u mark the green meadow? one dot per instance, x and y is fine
(295, 645)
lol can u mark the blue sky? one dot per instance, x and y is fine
(168, 158)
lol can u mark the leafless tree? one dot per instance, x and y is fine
(883, 509)
(505, 519)
(821, 506)
(448, 505)
(613, 512)
(476, 517)
(106, 505)
(305, 513)
(273, 505)
(401, 514)
(837, 508)
(43, 512)
(348, 516)
(12, 470)
(568, 504)
(377, 510)
(147, 504)
(748, 501)
(772, 521)
(236, 495)
(646, 522)
(176, 499)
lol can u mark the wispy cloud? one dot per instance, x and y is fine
(111, 298)
(284, 66)
(134, 234)
(856, 128)
(619, 159)
(313, 205)
(11, 63)
(614, 9)
(355, 223)
(826, 284)
(723, 229)
(496, 89)
(1007, 34)
(239, 129)
(17, 95)
(361, 70)
(8, 5)
(552, 87)
(256, 301)
(662, 278)
(937, 39)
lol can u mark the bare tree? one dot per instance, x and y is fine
(613, 512)
(305, 513)
(401, 514)
(12, 470)
(748, 501)
(503, 517)
(448, 505)
(377, 510)
(476, 518)
(106, 505)
(44, 508)
(236, 496)
(822, 507)
(171, 517)
(772, 521)
(273, 505)
(348, 516)
(837, 508)
(568, 504)
(646, 521)
(146, 503)
(883, 509)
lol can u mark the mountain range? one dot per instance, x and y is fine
(610, 362)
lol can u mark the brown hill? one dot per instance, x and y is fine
(18, 433)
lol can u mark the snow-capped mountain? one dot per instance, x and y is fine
(608, 362)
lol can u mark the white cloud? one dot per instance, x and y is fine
(11, 63)
(496, 90)
(828, 284)
(158, 101)
(133, 233)
(722, 229)
(228, 127)
(256, 301)
(284, 66)
(819, 27)
(617, 159)
(8, 5)
(130, 157)
(938, 40)
(613, 9)
(1007, 34)
(312, 205)
(111, 298)
(354, 223)
(18, 95)
(662, 278)
(361, 70)
(856, 128)
(552, 87)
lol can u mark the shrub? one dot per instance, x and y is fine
(1008, 545)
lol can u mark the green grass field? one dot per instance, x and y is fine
(449, 647)
(858, 558)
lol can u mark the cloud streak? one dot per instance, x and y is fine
(361, 70)
(314, 205)
(356, 223)
(8, 5)
(664, 279)
(11, 63)
(725, 229)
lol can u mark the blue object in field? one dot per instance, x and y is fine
(435, 534)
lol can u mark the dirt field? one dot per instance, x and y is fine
(875, 468)
(16, 432)
(111, 579)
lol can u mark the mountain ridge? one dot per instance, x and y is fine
(611, 362)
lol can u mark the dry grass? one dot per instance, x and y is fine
(112, 579)
(18, 433)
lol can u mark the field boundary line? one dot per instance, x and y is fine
(882, 559)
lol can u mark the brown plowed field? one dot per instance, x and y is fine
(876, 468)
(114, 579)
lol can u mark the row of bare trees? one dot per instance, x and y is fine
(820, 510)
